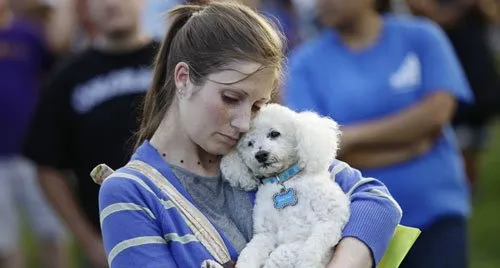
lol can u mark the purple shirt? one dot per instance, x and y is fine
(23, 58)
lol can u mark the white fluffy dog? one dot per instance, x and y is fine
(299, 210)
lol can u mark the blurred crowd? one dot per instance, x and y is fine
(48, 148)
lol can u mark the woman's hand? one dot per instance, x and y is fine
(351, 253)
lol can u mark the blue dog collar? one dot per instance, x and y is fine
(283, 176)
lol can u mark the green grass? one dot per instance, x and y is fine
(484, 236)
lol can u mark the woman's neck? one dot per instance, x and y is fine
(176, 148)
(362, 32)
(6, 18)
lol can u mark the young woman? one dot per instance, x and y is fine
(393, 83)
(168, 207)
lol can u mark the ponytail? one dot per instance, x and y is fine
(161, 92)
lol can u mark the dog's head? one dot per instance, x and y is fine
(277, 139)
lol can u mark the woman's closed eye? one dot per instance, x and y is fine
(234, 100)
(230, 99)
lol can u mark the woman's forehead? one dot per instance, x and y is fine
(235, 71)
(246, 76)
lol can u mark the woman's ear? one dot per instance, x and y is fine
(317, 140)
(181, 77)
(237, 173)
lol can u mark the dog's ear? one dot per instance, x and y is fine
(237, 173)
(317, 140)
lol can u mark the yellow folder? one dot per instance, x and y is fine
(403, 239)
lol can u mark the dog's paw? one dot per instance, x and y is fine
(210, 264)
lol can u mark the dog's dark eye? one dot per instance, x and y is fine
(274, 134)
(250, 143)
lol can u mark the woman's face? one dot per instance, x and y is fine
(214, 115)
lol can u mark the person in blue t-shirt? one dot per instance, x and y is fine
(393, 84)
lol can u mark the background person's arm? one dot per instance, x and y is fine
(56, 189)
(408, 127)
(381, 157)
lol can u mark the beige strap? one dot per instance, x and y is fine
(197, 222)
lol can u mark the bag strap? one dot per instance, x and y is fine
(197, 222)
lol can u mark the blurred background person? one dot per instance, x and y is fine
(55, 18)
(393, 84)
(25, 58)
(88, 115)
(467, 24)
(286, 16)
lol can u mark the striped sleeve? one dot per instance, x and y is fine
(374, 213)
(131, 230)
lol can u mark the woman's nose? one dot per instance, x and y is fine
(242, 121)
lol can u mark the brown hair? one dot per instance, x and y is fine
(207, 37)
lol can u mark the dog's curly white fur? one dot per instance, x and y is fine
(303, 235)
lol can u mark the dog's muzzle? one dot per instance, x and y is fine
(262, 156)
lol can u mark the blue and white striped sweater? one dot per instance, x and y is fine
(142, 228)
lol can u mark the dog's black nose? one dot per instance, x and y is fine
(262, 156)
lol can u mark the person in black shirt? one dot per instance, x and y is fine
(88, 115)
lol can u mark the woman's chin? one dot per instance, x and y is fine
(219, 149)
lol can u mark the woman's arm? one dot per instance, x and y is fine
(374, 218)
(351, 253)
(131, 232)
